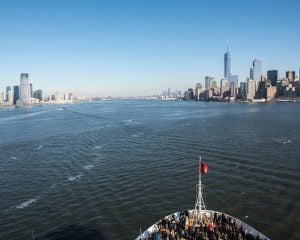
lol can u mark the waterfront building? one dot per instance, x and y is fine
(251, 73)
(8, 88)
(207, 94)
(272, 75)
(299, 83)
(66, 95)
(235, 79)
(233, 90)
(1, 99)
(291, 75)
(9, 96)
(250, 89)
(198, 90)
(208, 81)
(227, 64)
(31, 90)
(243, 90)
(214, 84)
(24, 89)
(256, 68)
(38, 94)
(271, 92)
(189, 94)
(223, 88)
(215, 88)
(283, 83)
(169, 92)
(16, 94)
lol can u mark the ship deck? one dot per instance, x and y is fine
(212, 225)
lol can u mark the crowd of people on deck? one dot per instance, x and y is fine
(217, 227)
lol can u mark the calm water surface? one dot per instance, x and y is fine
(106, 169)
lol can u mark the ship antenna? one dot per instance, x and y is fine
(200, 204)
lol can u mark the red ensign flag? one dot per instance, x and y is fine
(203, 168)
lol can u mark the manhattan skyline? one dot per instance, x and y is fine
(136, 48)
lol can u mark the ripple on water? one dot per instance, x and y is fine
(27, 203)
(75, 178)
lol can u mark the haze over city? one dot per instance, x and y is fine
(132, 48)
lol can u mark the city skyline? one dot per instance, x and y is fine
(122, 49)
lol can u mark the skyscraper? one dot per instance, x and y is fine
(16, 94)
(38, 94)
(255, 73)
(223, 87)
(24, 89)
(234, 79)
(243, 90)
(31, 90)
(272, 75)
(256, 66)
(227, 64)
(233, 90)
(291, 75)
(208, 80)
(250, 89)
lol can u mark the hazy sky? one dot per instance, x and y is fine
(141, 47)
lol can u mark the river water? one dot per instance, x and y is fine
(103, 170)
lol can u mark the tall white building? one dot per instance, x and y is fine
(208, 81)
(223, 87)
(198, 91)
(1, 99)
(10, 98)
(24, 89)
(251, 89)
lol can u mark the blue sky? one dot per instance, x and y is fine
(141, 47)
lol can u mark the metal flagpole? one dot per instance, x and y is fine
(199, 190)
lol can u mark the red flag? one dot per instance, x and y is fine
(204, 168)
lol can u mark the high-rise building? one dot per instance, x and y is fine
(1, 99)
(31, 90)
(9, 98)
(227, 64)
(233, 90)
(24, 89)
(299, 83)
(38, 94)
(214, 84)
(8, 90)
(198, 91)
(256, 66)
(291, 75)
(251, 73)
(243, 90)
(234, 79)
(16, 94)
(272, 75)
(223, 88)
(250, 89)
(189, 94)
(208, 81)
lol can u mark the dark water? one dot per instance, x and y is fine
(106, 169)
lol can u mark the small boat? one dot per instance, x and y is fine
(200, 223)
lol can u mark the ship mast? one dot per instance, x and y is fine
(200, 204)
